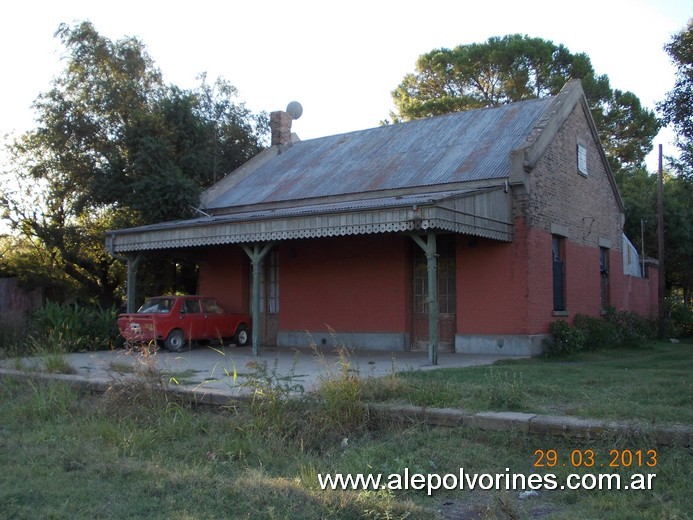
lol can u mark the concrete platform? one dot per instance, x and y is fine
(206, 375)
(210, 370)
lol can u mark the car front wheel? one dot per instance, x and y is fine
(242, 336)
(175, 340)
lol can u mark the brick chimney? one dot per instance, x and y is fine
(280, 126)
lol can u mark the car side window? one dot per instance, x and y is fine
(190, 307)
(211, 307)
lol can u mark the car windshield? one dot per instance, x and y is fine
(156, 305)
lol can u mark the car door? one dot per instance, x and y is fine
(192, 320)
(218, 323)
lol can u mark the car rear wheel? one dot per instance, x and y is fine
(242, 336)
(175, 340)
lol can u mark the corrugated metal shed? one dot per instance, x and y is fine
(456, 148)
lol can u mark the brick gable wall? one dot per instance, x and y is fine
(585, 206)
(585, 210)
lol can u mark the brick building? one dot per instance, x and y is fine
(469, 232)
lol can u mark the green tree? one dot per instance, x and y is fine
(115, 147)
(678, 233)
(639, 191)
(677, 111)
(514, 68)
(677, 108)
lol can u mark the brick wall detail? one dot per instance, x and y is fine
(586, 206)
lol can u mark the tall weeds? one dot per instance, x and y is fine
(339, 396)
(143, 393)
(318, 420)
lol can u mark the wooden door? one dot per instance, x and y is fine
(269, 299)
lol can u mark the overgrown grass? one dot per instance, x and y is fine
(42, 359)
(156, 457)
(139, 451)
(652, 384)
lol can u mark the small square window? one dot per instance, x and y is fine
(582, 159)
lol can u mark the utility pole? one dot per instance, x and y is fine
(660, 246)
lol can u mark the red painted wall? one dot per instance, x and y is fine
(356, 284)
(349, 284)
(224, 274)
(363, 284)
(508, 288)
(583, 279)
(491, 287)
(636, 294)
(540, 281)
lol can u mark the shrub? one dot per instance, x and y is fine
(614, 330)
(73, 328)
(631, 329)
(599, 332)
(565, 339)
(681, 322)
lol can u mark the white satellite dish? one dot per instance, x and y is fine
(294, 109)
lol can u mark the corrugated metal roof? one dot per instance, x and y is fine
(480, 212)
(310, 209)
(460, 147)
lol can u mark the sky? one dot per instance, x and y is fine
(340, 60)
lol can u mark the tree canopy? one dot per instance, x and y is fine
(677, 108)
(116, 147)
(514, 68)
(639, 188)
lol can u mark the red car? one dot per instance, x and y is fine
(175, 320)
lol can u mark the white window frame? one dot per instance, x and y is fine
(581, 159)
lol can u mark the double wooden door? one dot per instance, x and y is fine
(447, 295)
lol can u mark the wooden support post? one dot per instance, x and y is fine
(430, 249)
(133, 262)
(257, 256)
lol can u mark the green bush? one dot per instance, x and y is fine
(565, 338)
(613, 330)
(599, 332)
(681, 317)
(630, 329)
(73, 328)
